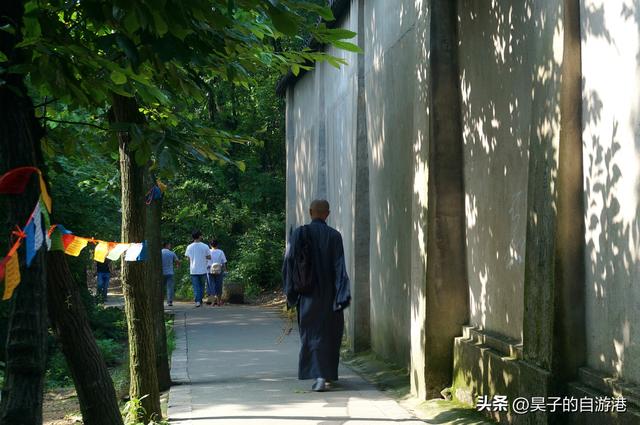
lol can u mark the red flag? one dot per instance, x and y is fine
(15, 181)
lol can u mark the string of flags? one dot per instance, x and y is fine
(38, 231)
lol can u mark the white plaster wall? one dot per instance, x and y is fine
(340, 87)
(510, 55)
(325, 98)
(305, 146)
(418, 310)
(390, 67)
(611, 137)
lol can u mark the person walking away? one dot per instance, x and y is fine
(316, 253)
(103, 275)
(217, 268)
(169, 259)
(198, 254)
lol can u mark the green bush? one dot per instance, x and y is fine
(112, 351)
(259, 255)
(58, 374)
(108, 323)
(183, 288)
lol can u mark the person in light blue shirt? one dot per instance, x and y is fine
(169, 258)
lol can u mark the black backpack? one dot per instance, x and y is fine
(303, 265)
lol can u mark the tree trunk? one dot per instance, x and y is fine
(20, 135)
(142, 353)
(154, 262)
(96, 394)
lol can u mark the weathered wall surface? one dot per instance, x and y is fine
(340, 99)
(611, 137)
(495, 67)
(303, 123)
(321, 142)
(390, 64)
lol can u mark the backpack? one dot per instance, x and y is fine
(216, 268)
(302, 265)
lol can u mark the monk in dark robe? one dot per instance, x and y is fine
(320, 312)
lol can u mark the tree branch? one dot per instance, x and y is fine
(75, 123)
(46, 102)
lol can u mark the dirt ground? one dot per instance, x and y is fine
(61, 407)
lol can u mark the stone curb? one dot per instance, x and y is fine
(180, 393)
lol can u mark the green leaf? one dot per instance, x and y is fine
(3, 57)
(32, 27)
(131, 23)
(345, 45)
(129, 49)
(283, 21)
(295, 69)
(161, 25)
(118, 77)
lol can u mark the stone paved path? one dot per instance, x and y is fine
(232, 370)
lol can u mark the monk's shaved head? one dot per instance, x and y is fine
(319, 209)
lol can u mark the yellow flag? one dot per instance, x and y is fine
(100, 253)
(11, 277)
(44, 194)
(76, 246)
(117, 251)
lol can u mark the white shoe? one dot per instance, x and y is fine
(197, 304)
(320, 385)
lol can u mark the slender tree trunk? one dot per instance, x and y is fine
(20, 135)
(154, 262)
(138, 308)
(96, 394)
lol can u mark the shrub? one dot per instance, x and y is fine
(111, 350)
(259, 255)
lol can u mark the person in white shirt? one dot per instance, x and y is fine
(217, 268)
(198, 254)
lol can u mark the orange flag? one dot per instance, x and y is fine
(12, 277)
(75, 246)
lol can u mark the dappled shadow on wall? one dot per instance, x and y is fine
(389, 95)
(510, 65)
(611, 138)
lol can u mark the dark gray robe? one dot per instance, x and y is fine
(320, 314)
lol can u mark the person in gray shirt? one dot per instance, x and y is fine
(169, 258)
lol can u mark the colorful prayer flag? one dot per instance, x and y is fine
(36, 217)
(30, 241)
(43, 192)
(12, 276)
(117, 251)
(101, 251)
(3, 264)
(75, 246)
(143, 252)
(133, 252)
(15, 181)
(46, 224)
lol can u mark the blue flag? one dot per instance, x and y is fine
(30, 231)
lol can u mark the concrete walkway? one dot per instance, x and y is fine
(232, 370)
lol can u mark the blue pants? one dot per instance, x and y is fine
(103, 283)
(169, 283)
(214, 284)
(198, 281)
